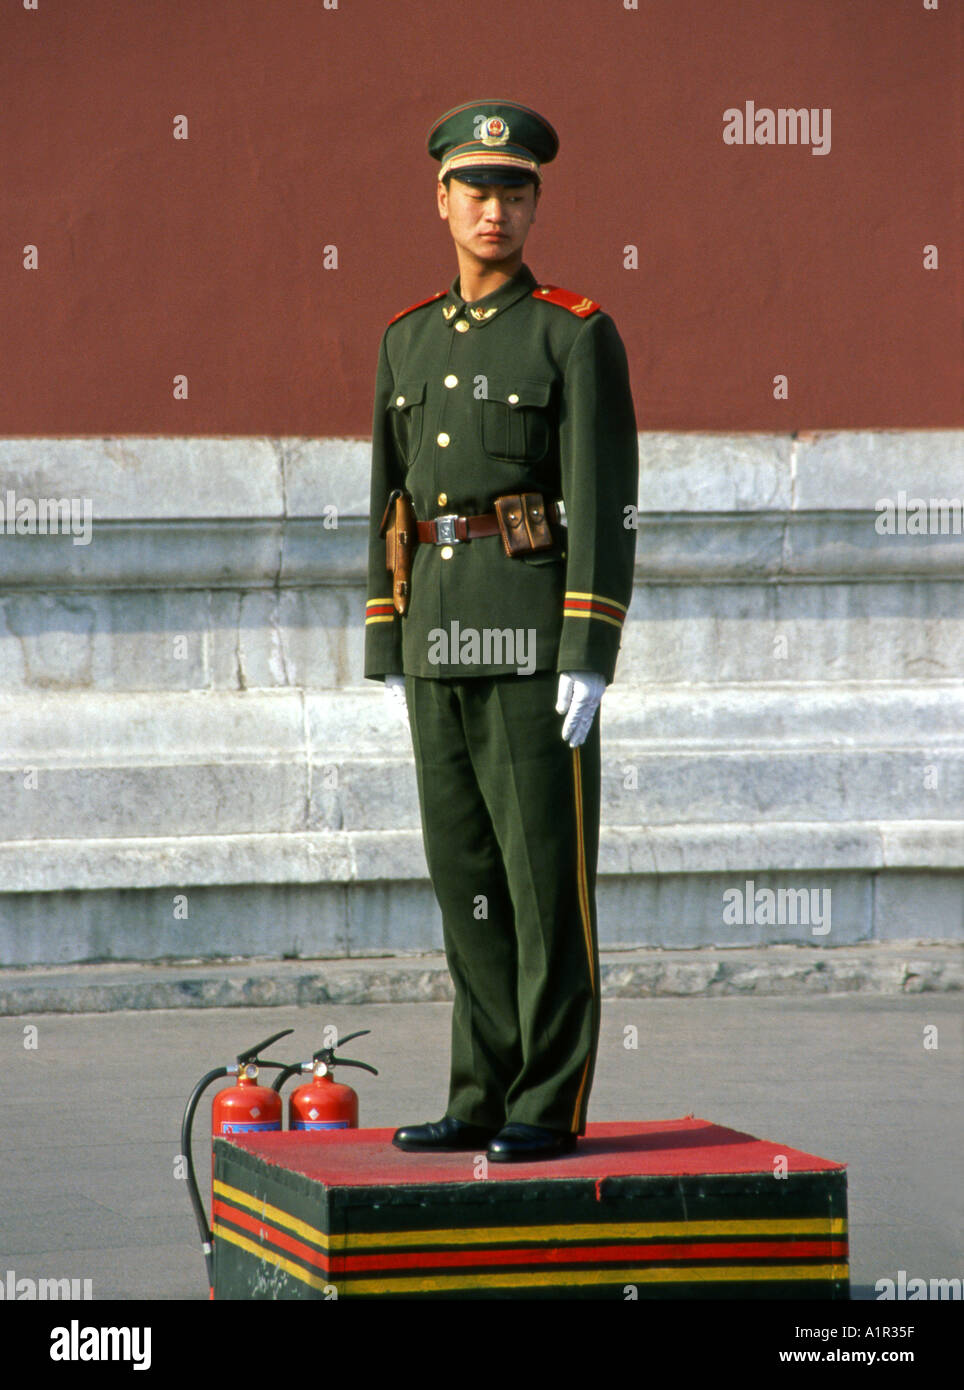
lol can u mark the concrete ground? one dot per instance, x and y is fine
(90, 1126)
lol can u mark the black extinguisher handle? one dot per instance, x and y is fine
(347, 1062)
(252, 1052)
(324, 1054)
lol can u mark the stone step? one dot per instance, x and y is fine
(894, 969)
(718, 627)
(278, 763)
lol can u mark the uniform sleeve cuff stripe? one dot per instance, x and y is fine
(380, 610)
(592, 608)
(597, 598)
(581, 613)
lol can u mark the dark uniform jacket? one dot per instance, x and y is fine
(525, 390)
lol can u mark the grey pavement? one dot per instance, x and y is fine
(89, 1129)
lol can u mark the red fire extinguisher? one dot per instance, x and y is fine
(240, 1109)
(324, 1103)
(246, 1108)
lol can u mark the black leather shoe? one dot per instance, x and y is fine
(442, 1136)
(521, 1143)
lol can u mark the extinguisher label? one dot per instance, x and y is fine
(321, 1124)
(244, 1127)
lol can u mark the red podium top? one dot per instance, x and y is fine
(653, 1148)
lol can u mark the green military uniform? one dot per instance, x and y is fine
(525, 390)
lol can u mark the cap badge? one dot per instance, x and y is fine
(494, 131)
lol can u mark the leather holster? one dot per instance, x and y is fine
(400, 530)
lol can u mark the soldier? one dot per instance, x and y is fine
(504, 459)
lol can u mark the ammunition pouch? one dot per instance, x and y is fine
(523, 523)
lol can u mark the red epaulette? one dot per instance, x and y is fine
(577, 304)
(412, 307)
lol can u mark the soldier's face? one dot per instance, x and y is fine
(490, 222)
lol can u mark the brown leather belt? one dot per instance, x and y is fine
(452, 528)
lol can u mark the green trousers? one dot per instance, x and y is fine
(510, 818)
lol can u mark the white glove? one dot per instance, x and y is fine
(395, 693)
(578, 699)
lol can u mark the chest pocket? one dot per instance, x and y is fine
(515, 418)
(406, 409)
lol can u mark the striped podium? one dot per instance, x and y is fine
(667, 1209)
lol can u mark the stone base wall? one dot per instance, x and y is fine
(193, 765)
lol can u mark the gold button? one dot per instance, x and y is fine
(443, 440)
(451, 380)
(447, 552)
(461, 326)
(513, 399)
(443, 497)
(399, 400)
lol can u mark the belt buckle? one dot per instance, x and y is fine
(445, 529)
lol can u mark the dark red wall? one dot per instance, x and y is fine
(307, 127)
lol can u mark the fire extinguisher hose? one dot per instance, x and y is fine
(207, 1236)
(251, 1055)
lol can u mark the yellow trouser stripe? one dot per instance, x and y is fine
(583, 893)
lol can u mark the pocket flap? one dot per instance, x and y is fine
(407, 393)
(515, 392)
